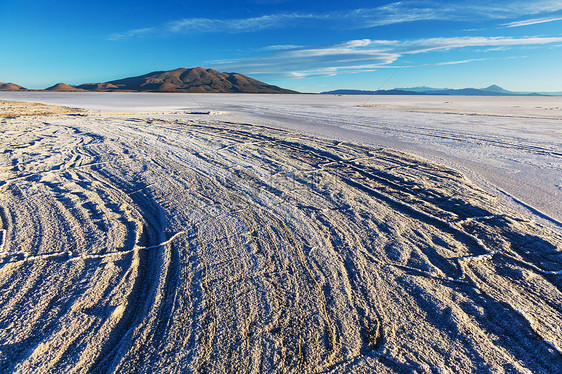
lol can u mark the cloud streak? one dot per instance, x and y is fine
(206, 25)
(279, 47)
(460, 61)
(393, 13)
(135, 33)
(532, 21)
(365, 55)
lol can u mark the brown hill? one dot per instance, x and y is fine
(188, 80)
(63, 87)
(179, 80)
(11, 87)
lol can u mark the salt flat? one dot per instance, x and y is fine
(511, 146)
(239, 242)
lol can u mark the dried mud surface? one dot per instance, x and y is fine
(144, 244)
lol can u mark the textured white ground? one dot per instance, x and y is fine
(510, 146)
(193, 243)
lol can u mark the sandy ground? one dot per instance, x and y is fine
(19, 108)
(178, 243)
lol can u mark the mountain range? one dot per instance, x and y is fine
(197, 79)
(200, 80)
(492, 90)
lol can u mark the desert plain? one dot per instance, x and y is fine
(175, 233)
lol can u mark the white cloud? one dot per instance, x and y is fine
(279, 47)
(358, 43)
(424, 45)
(393, 13)
(532, 21)
(203, 25)
(534, 7)
(135, 33)
(460, 62)
(366, 55)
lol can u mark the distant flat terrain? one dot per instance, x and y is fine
(195, 243)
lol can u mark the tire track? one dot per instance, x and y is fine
(222, 247)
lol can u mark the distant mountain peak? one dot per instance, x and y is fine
(496, 88)
(63, 87)
(197, 80)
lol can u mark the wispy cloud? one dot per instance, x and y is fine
(460, 61)
(393, 13)
(135, 33)
(432, 44)
(279, 47)
(532, 21)
(366, 55)
(326, 60)
(204, 25)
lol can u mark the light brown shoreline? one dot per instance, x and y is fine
(20, 108)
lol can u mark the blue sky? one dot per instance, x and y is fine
(304, 45)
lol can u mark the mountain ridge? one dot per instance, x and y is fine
(193, 80)
(492, 90)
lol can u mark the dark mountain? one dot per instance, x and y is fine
(422, 89)
(187, 80)
(492, 90)
(97, 86)
(378, 92)
(467, 92)
(11, 87)
(559, 93)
